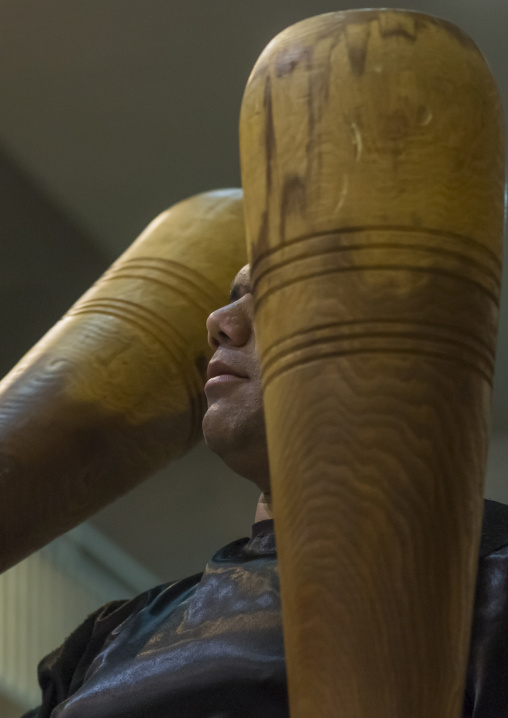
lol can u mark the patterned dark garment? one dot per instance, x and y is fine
(210, 646)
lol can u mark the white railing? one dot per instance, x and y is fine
(45, 597)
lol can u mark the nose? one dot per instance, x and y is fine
(230, 325)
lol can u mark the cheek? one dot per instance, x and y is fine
(256, 394)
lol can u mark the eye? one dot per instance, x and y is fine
(234, 295)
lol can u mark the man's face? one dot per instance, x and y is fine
(234, 426)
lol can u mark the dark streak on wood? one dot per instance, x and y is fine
(290, 58)
(293, 199)
(357, 57)
(318, 92)
(399, 31)
(357, 44)
(269, 133)
(311, 138)
(261, 244)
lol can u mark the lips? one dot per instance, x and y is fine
(217, 368)
(222, 374)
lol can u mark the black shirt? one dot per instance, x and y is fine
(211, 646)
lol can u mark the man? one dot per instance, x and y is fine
(211, 645)
(234, 426)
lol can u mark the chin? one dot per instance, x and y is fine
(240, 444)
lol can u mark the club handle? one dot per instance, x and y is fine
(372, 159)
(115, 389)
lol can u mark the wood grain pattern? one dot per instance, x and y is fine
(115, 389)
(372, 163)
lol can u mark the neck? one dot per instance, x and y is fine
(264, 507)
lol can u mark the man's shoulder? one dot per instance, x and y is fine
(494, 527)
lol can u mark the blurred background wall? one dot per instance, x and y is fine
(110, 112)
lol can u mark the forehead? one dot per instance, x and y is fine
(241, 283)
